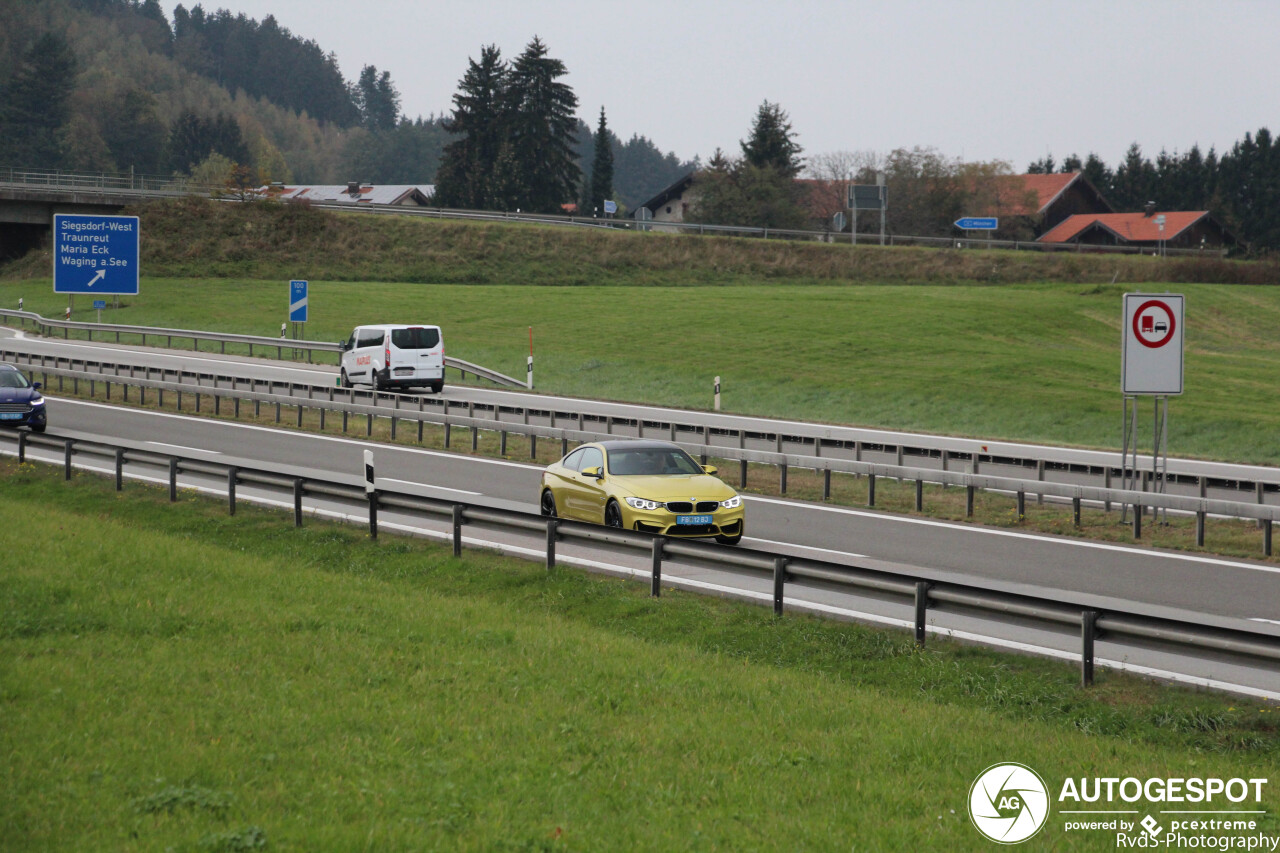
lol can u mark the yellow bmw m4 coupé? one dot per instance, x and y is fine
(651, 486)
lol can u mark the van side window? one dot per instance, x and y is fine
(370, 338)
(354, 342)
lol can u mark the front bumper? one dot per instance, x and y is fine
(11, 416)
(724, 522)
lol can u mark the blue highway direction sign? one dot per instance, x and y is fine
(297, 301)
(95, 254)
(610, 206)
(978, 223)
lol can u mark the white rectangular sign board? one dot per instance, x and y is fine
(1151, 359)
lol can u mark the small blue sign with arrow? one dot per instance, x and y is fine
(978, 223)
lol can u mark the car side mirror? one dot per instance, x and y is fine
(37, 385)
(594, 472)
(709, 469)
(344, 345)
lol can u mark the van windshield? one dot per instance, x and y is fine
(415, 338)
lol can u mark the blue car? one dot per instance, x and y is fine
(21, 403)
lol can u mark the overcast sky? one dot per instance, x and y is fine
(978, 79)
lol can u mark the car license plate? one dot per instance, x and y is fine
(8, 416)
(693, 519)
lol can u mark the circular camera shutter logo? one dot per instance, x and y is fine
(1008, 803)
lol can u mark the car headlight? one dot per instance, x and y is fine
(37, 401)
(642, 503)
(733, 502)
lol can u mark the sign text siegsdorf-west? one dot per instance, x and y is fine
(95, 254)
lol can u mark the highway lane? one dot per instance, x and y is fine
(266, 369)
(1222, 587)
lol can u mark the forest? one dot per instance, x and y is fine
(115, 86)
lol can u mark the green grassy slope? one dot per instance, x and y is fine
(1033, 362)
(171, 678)
(200, 239)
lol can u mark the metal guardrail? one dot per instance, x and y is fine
(44, 324)
(377, 407)
(121, 182)
(703, 229)
(126, 183)
(924, 592)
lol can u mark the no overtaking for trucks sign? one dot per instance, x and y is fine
(1152, 354)
(95, 254)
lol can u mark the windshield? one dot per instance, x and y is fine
(13, 379)
(652, 460)
(415, 338)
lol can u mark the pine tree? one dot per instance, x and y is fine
(601, 168)
(541, 132)
(772, 142)
(468, 163)
(378, 100)
(34, 106)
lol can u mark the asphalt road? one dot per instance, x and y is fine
(264, 369)
(1003, 558)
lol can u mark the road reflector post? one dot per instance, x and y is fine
(1022, 505)
(1200, 516)
(552, 524)
(67, 459)
(173, 479)
(299, 408)
(1088, 632)
(457, 529)
(968, 501)
(232, 474)
(871, 490)
(22, 447)
(502, 441)
(717, 393)
(119, 469)
(922, 609)
(919, 495)
(1075, 510)
(533, 446)
(564, 446)
(373, 514)
(742, 474)
(782, 476)
(1266, 537)
(1137, 521)
(779, 581)
(655, 584)
(826, 484)
(297, 501)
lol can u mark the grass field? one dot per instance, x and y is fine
(1033, 362)
(172, 678)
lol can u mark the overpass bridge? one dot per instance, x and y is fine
(29, 199)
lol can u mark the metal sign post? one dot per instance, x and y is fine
(1151, 365)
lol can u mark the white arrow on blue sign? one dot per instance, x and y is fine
(297, 301)
(95, 254)
(978, 223)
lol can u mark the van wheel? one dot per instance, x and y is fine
(437, 387)
(375, 380)
(344, 381)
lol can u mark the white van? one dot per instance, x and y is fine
(394, 357)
